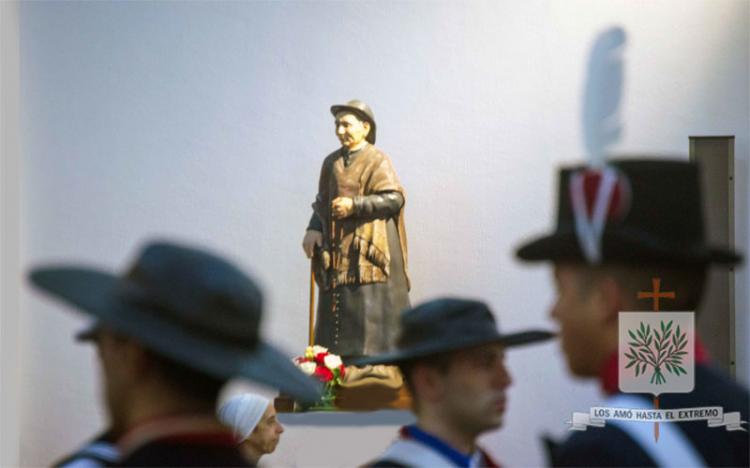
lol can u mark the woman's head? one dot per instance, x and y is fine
(253, 422)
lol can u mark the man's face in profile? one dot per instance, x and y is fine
(474, 388)
(580, 312)
(350, 130)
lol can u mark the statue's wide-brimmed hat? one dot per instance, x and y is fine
(652, 213)
(449, 324)
(185, 304)
(361, 110)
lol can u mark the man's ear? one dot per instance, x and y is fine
(610, 294)
(366, 126)
(134, 358)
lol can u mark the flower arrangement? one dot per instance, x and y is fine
(326, 367)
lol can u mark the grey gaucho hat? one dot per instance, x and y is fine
(185, 304)
(449, 324)
(361, 110)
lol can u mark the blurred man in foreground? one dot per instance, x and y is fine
(169, 333)
(622, 230)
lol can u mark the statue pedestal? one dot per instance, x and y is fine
(365, 399)
(393, 418)
(336, 438)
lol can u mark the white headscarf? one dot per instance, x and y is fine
(242, 413)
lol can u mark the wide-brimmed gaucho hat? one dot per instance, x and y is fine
(186, 304)
(449, 324)
(362, 111)
(653, 213)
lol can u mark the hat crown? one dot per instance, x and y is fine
(446, 320)
(665, 199)
(655, 215)
(196, 290)
(361, 106)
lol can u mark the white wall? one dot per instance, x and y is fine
(208, 122)
(10, 235)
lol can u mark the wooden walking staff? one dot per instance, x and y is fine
(655, 294)
(311, 320)
(311, 326)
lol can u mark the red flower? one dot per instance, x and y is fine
(342, 371)
(320, 358)
(323, 373)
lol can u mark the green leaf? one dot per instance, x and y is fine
(656, 334)
(662, 326)
(648, 329)
(630, 364)
(669, 325)
(632, 335)
(643, 328)
(637, 370)
(648, 342)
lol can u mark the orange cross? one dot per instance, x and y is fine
(656, 294)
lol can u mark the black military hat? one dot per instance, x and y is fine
(630, 211)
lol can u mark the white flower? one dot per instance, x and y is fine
(319, 349)
(332, 361)
(307, 367)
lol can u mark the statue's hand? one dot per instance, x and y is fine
(312, 239)
(342, 207)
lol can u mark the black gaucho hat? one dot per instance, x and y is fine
(448, 324)
(362, 111)
(631, 211)
(186, 304)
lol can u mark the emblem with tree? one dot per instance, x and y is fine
(659, 351)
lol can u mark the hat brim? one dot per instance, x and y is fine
(94, 292)
(624, 247)
(509, 341)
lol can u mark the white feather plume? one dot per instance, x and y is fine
(602, 95)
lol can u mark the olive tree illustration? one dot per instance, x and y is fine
(659, 351)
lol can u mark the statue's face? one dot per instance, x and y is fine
(350, 130)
